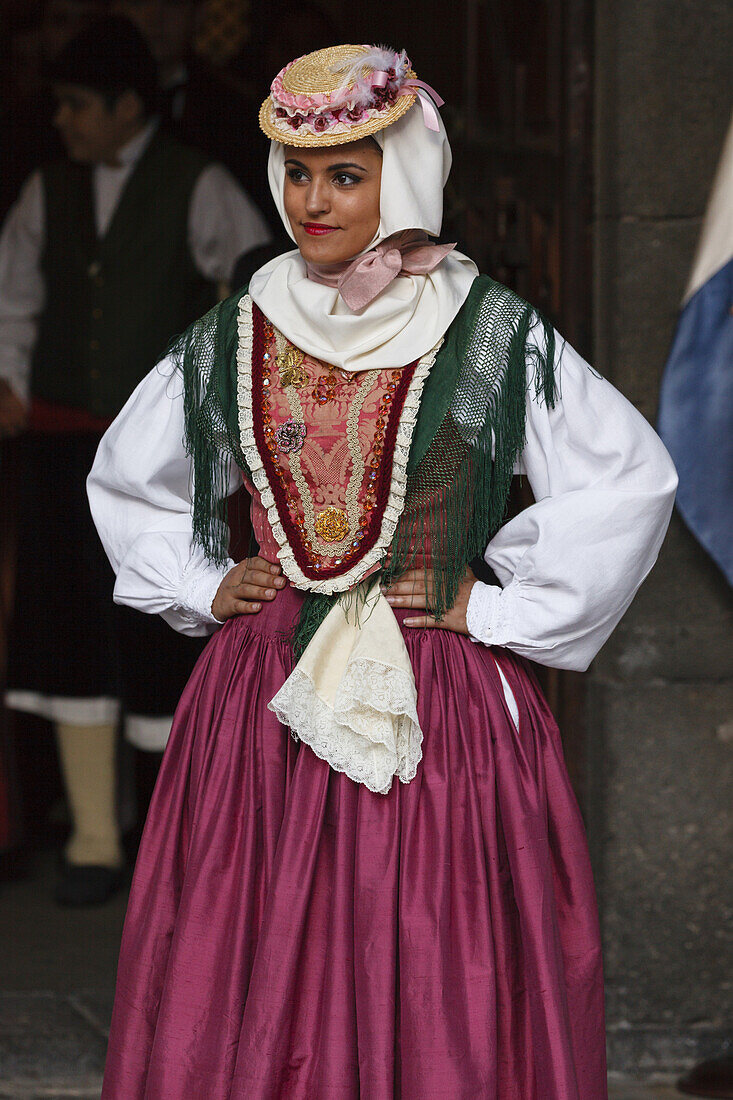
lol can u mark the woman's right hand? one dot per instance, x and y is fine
(245, 587)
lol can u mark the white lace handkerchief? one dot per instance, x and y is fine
(352, 696)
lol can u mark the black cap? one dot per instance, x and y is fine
(110, 56)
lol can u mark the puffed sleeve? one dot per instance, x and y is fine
(570, 565)
(140, 497)
(223, 223)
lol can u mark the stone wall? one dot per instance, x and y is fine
(661, 693)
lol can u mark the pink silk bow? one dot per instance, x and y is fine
(429, 113)
(359, 281)
(410, 87)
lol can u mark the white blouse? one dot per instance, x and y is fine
(568, 566)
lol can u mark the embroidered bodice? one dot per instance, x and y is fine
(328, 456)
(325, 456)
(321, 478)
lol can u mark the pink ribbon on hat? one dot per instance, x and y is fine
(359, 281)
(429, 113)
(410, 87)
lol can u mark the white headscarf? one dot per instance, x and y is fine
(409, 317)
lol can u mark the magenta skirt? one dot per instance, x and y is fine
(292, 935)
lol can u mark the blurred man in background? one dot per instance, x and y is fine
(105, 256)
(33, 34)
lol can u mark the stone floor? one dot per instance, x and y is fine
(630, 1090)
(56, 979)
(57, 972)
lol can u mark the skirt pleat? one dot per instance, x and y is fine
(290, 934)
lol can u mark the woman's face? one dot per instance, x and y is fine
(332, 199)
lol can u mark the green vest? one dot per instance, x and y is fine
(113, 304)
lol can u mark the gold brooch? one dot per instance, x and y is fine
(290, 366)
(332, 524)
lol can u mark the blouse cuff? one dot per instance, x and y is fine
(197, 591)
(485, 614)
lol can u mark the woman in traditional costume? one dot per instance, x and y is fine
(396, 900)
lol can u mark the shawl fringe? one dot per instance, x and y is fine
(471, 430)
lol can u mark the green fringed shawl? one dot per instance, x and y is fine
(469, 434)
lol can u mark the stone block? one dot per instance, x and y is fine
(680, 625)
(647, 1052)
(642, 272)
(663, 874)
(52, 1090)
(665, 79)
(637, 1090)
(43, 1038)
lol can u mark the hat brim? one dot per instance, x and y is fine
(277, 129)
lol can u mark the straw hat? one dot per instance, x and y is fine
(339, 94)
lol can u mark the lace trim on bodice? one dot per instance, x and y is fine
(301, 573)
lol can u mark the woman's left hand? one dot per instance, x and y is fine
(415, 589)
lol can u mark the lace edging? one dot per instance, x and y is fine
(486, 614)
(346, 735)
(398, 486)
(196, 592)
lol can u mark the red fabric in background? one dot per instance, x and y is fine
(45, 417)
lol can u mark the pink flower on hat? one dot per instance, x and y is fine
(359, 93)
(370, 86)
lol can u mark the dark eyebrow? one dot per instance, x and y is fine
(346, 164)
(331, 167)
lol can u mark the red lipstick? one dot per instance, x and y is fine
(316, 229)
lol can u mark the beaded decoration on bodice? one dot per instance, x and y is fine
(326, 438)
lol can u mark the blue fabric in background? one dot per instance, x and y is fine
(696, 415)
